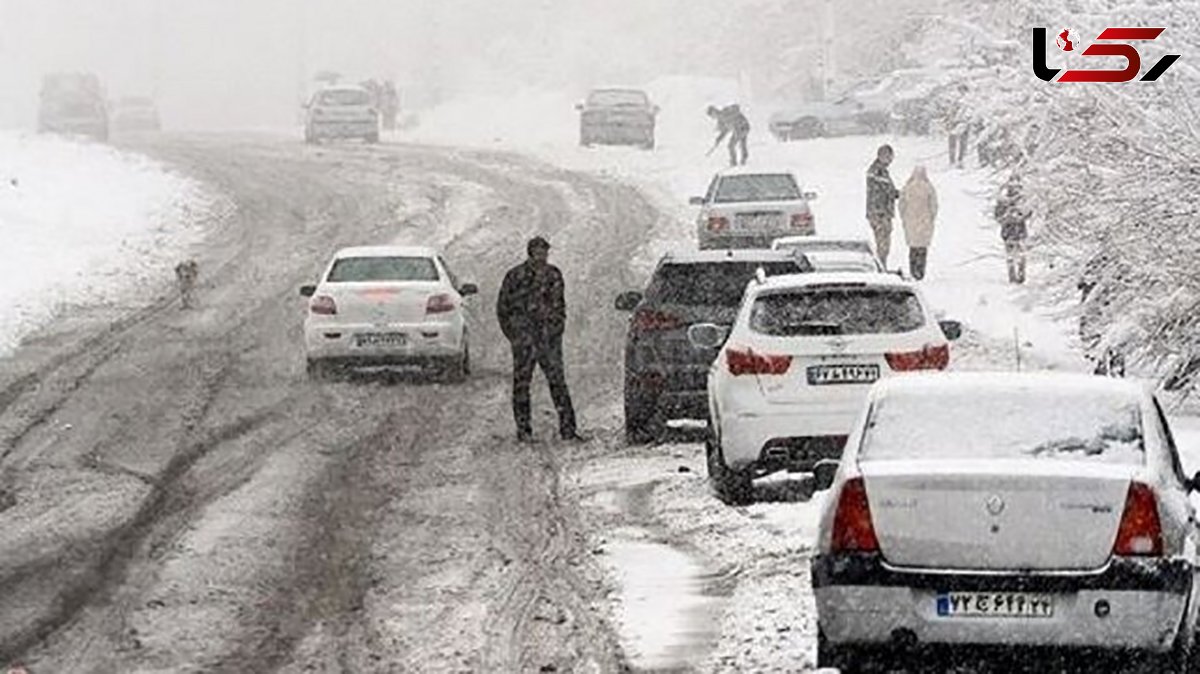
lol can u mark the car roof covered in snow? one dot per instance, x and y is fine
(982, 383)
(748, 171)
(801, 239)
(386, 251)
(841, 278)
(341, 87)
(731, 255)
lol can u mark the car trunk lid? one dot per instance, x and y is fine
(1031, 514)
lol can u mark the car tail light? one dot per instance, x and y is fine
(716, 223)
(439, 304)
(742, 362)
(649, 320)
(853, 530)
(928, 358)
(1140, 533)
(323, 304)
(802, 220)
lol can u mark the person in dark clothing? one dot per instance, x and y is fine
(532, 314)
(881, 201)
(732, 123)
(1013, 215)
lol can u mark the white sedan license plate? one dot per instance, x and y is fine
(994, 605)
(380, 339)
(842, 374)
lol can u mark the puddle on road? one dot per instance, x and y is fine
(669, 603)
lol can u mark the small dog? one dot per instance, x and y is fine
(186, 273)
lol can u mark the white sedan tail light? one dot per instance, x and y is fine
(439, 304)
(1140, 533)
(853, 530)
(323, 305)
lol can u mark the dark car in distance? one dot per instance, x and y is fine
(617, 117)
(665, 376)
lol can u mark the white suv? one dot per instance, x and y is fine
(746, 208)
(387, 305)
(791, 377)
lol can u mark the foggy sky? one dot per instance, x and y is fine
(246, 63)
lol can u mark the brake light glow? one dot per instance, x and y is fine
(439, 304)
(928, 358)
(716, 223)
(802, 220)
(323, 305)
(649, 320)
(853, 530)
(746, 361)
(1140, 533)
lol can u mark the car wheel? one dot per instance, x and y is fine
(847, 659)
(317, 370)
(648, 144)
(733, 487)
(454, 369)
(643, 424)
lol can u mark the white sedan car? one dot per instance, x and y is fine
(1000, 510)
(791, 377)
(387, 305)
(746, 208)
(831, 253)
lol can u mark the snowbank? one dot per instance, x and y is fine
(85, 223)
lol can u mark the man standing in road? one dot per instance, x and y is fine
(881, 201)
(532, 314)
(732, 123)
(1013, 215)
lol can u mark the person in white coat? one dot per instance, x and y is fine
(918, 211)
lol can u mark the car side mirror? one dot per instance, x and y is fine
(707, 335)
(824, 472)
(628, 301)
(809, 196)
(696, 201)
(579, 106)
(308, 290)
(951, 329)
(468, 289)
(656, 109)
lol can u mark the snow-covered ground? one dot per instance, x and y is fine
(85, 223)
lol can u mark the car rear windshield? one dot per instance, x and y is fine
(1021, 424)
(711, 283)
(367, 269)
(344, 97)
(841, 260)
(765, 187)
(617, 98)
(839, 310)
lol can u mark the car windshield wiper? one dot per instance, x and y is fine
(1092, 447)
(811, 328)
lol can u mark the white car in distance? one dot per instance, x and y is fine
(793, 371)
(1008, 511)
(748, 208)
(343, 111)
(387, 306)
(831, 253)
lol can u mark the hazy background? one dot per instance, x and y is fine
(247, 63)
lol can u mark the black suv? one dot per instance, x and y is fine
(665, 376)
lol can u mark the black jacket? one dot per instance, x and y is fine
(881, 191)
(731, 120)
(1012, 213)
(531, 307)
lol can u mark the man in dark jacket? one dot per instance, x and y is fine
(732, 123)
(881, 200)
(532, 314)
(1013, 215)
